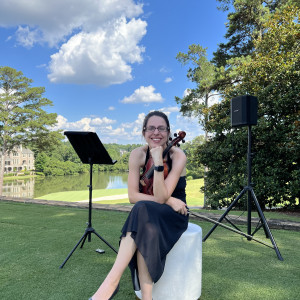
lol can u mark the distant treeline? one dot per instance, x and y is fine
(63, 160)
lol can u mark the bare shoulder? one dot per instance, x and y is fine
(138, 155)
(177, 153)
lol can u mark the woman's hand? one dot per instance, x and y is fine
(178, 205)
(156, 154)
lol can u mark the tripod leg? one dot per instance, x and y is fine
(224, 215)
(87, 233)
(83, 237)
(265, 224)
(103, 240)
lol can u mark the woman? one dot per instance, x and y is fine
(156, 221)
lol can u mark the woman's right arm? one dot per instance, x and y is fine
(136, 159)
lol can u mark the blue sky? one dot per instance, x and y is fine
(107, 63)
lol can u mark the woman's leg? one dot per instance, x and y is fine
(125, 253)
(144, 278)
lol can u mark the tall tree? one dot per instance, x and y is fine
(22, 118)
(202, 73)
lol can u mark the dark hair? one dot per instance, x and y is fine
(158, 114)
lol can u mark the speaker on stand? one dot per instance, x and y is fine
(244, 113)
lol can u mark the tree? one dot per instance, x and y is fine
(22, 118)
(246, 19)
(190, 149)
(271, 73)
(203, 74)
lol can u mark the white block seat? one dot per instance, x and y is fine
(182, 276)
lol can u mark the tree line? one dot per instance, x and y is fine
(63, 160)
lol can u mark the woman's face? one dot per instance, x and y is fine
(156, 132)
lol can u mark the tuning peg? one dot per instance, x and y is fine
(183, 141)
(170, 138)
(175, 134)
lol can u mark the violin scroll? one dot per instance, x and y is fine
(181, 136)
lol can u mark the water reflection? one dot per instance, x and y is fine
(19, 188)
(116, 182)
(37, 187)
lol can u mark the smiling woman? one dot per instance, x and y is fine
(158, 218)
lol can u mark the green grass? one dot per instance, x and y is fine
(35, 240)
(82, 195)
(194, 196)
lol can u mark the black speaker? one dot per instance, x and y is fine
(243, 111)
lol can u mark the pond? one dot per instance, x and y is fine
(37, 187)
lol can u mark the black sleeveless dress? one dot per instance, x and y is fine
(155, 229)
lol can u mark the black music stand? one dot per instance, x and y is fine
(91, 151)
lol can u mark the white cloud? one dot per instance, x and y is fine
(27, 37)
(54, 20)
(186, 92)
(168, 79)
(100, 37)
(144, 94)
(213, 98)
(188, 124)
(84, 124)
(170, 109)
(104, 121)
(164, 69)
(101, 57)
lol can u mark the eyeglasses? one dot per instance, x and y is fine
(153, 128)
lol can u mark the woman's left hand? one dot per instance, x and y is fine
(178, 205)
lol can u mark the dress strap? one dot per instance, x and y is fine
(169, 161)
(146, 160)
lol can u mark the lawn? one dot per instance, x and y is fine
(35, 240)
(194, 196)
(74, 196)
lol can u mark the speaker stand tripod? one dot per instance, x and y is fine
(90, 150)
(251, 196)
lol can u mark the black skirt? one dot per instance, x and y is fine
(155, 229)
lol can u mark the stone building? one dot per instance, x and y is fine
(20, 159)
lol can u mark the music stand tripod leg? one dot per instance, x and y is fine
(91, 230)
(83, 237)
(103, 240)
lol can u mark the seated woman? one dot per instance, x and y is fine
(157, 219)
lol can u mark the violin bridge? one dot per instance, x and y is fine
(142, 182)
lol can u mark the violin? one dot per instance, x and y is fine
(146, 179)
